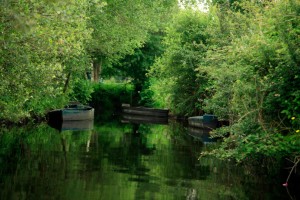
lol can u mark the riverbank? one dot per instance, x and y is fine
(23, 121)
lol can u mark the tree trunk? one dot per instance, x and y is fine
(96, 70)
(67, 82)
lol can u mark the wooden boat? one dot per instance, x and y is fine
(205, 121)
(75, 112)
(154, 112)
(82, 125)
(141, 119)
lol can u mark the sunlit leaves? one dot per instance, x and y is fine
(42, 42)
(121, 26)
(40, 39)
(254, 80)
(185, 47)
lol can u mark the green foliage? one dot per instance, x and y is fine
(240, 61)
(134, 67)
(284, 90)
(82, 91)
(121, 26)
(160, 90)
(43, 43)
(174, 72)
(254, 79)
(108, 98)
(146, 96)
(256, 147)
(39, 44)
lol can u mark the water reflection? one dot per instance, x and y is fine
(119, 161)
(201, 134)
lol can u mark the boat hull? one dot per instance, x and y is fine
(82, 125)
(146, 111)
(140, 119)
(72, 114)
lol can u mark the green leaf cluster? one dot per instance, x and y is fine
(121, 26)
(254, 75)
(82, 91)
(239, 61)
(40, 43)
(134, 68)
(174, 81)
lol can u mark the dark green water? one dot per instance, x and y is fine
(121, 161)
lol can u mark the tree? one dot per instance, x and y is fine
(45, 44)
(174, 72)
(253, 70)
(134, 67)
(119, 27)
(41, 42)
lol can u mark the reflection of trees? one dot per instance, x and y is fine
(146, 161)
(38, 160)
(127, 156)
(184, 152)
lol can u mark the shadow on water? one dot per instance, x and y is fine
(113, 160)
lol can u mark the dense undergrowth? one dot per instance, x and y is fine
(239, 61)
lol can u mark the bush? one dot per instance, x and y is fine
(82, 91)
(256, 82)
(108, 98)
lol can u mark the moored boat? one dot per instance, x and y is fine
(82, 125)
(154, 112)
(141, 119)
(72, 113)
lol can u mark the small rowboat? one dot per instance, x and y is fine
(144, 111)
(72, 113)
(141, 119)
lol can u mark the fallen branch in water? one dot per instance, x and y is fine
(296, 161)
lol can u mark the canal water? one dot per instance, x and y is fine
(115, 160)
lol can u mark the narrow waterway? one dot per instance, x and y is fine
(116, 160)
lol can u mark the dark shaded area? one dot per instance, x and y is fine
(107, 100)
(294, 181)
